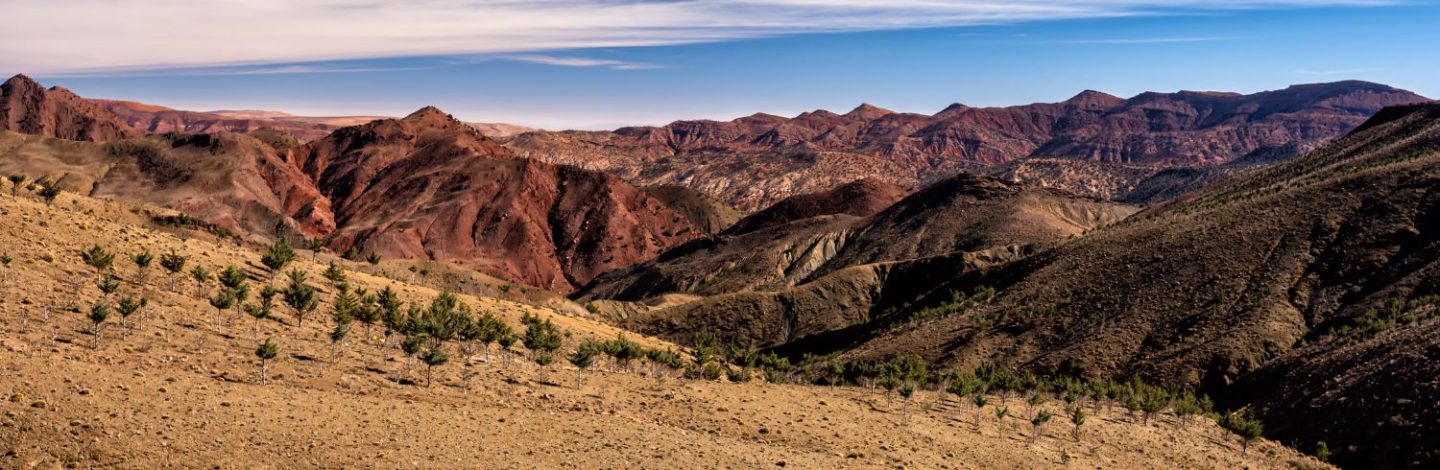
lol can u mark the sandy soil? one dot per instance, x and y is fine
(150, 399)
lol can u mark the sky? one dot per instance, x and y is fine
(600, 64)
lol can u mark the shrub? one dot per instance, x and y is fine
(49, 191)
(1248, 429)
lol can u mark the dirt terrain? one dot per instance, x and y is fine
(148, 397)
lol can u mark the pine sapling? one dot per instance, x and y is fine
(98, 313)
(266, 351)
(433, 356)
(979, 400)
(1039, 420)
(1077, 417)
(127, 306)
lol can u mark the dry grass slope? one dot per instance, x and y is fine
(149, 399)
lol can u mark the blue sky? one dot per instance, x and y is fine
(720, 63)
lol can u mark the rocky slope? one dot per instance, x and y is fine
(430, 187)
(806, 274)
(235, 181)
(704, 212)
(1310, 283)
(772, 153)
(423, 187)
(860, 198)
(146, 396)
(27, 107)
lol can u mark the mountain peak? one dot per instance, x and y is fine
(429, 113)
(954, 108)
(867, 111)
(21, 80)
(1094, 99)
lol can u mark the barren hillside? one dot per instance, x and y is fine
(179, 385)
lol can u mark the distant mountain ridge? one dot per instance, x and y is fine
(426, 186)
(1170, 129)
(57, 112)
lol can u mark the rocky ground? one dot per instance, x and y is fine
(178, 390)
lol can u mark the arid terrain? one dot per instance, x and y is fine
(177, 388)
(1191, 271)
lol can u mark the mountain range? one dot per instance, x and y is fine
(1275, 251)
(754, 161)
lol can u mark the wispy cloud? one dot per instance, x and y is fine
(263, 69)
(1330, 72)
(1157, 40)
(67, 36)
(580, 62)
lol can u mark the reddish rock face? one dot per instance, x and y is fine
(159, 119)
(28, 108)
(1168, 129)
(430, 187)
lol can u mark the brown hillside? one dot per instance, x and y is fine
(703, 211)
(1326, 250)
(27, 107)
(815, 276)
(146, 396)
(860, 198)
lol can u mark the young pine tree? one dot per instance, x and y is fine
(1248, 429)
(109, 285)
(300, 296)
(266, 352)
(1039, 420)
(222, 300)
(200, 275)
(259, 312)
(97, 258)
(906, 392)
(978, 399)
(98, 313)
(411, 345)
(1077, 418)
(335, 275)
(582, 359)
(127, 306)
(142, 262)
(433, 356)
(173, 263)
(277, 255)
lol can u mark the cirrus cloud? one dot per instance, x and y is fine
(70, 36)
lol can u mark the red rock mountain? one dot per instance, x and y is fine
(423, 187)
(431, 187)
(29, 108)
(1171, 129)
